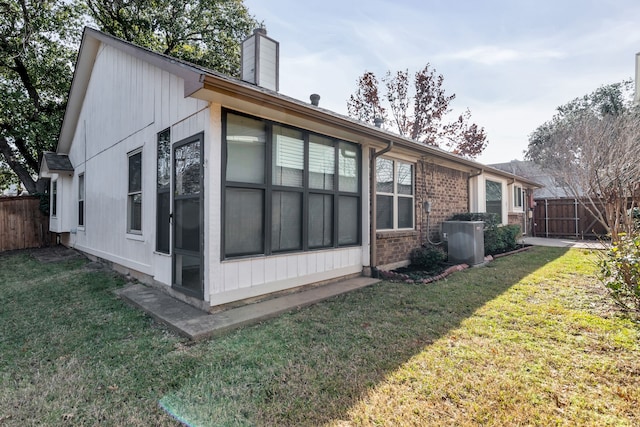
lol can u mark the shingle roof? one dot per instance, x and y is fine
(530, 170)
(58, 162)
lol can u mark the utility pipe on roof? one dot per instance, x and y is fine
(372, 190)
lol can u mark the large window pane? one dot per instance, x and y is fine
(405, 178)
(245, 149)
(308, 198)
(322, 161)
(347, 220)
(405, 212)
(320, 220)
(288, 157)
(286, 221)
(244, 221)
(384, 175)
(348, 167)
(384, 212)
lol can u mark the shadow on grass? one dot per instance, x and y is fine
(312, 366)
(73, 354)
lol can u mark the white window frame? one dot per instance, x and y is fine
(81, 200)
(503, 203)
(517, 207)
(132, 194)
(396, 195)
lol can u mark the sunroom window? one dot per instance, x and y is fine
(280, 189)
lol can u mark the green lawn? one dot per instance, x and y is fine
(531, 339)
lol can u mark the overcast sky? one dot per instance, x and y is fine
(511, 62)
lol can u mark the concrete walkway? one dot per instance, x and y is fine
(564, 243)
(196, 324)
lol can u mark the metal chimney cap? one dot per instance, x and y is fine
(260, 30)
(378, 121)
(315, 99)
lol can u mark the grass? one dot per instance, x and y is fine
(528, 340)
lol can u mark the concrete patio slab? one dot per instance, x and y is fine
(564, 243)
(196, 324)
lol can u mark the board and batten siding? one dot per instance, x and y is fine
(256, 276)
(268, 69)
(128, 101)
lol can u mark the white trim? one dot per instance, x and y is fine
(135, 236)
(513, 208)
(134, 193)
(281, 285)
(125, 262)
(396, 196)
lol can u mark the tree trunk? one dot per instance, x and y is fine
(17, 167)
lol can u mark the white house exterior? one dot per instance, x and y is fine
(219, 190)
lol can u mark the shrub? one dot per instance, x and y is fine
(502, 239)
(620, 271)
(428, 258)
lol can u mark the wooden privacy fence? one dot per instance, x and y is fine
(565, 218)
(22, 224)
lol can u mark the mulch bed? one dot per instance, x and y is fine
(412, 275)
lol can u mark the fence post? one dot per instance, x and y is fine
(546, 218)
(575, 217)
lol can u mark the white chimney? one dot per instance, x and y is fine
(260, 60)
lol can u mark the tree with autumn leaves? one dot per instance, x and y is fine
(420, 114)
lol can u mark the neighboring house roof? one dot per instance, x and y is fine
(550, 188)
(209, 85)
(55, 163)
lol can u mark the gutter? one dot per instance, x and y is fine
(373, 259)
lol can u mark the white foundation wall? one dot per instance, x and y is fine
(257, 276)
(127, 103)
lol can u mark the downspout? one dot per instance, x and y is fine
(372, 190)
(469, 187)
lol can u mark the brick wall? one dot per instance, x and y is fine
(517, 219)
(447, 191)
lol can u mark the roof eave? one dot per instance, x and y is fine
(298, 108)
